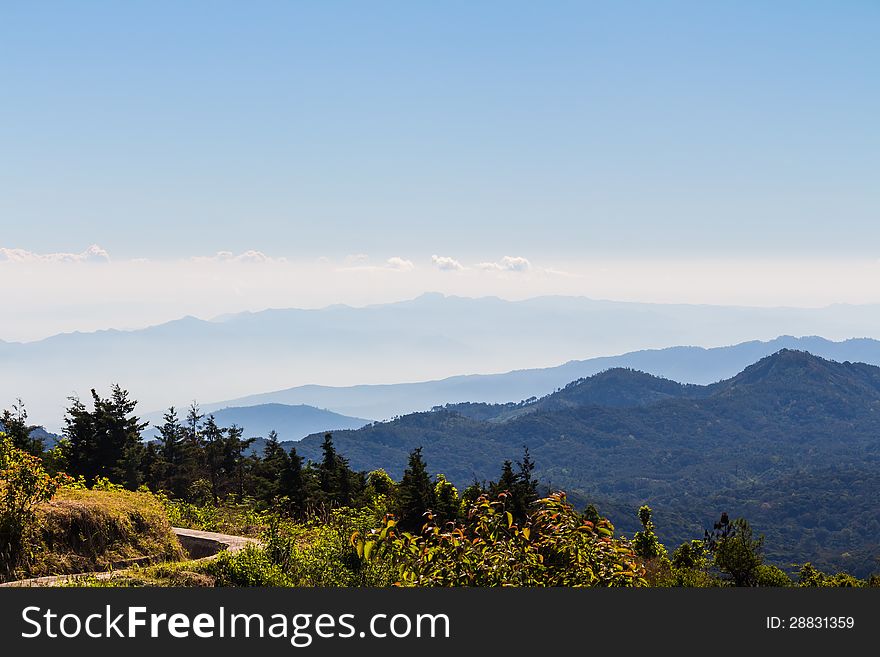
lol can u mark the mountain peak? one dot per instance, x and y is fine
(801, 374)
(786, 359)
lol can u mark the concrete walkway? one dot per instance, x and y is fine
(199, 545)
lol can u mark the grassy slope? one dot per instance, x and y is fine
(86, 530)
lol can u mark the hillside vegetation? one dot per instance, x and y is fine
(790, 443)
(770, 443)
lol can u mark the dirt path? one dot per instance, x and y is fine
(201, 546)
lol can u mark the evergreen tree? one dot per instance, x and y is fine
(213, 449)
(106, 441)
(520, 488)
(269, 469)
(15, 425)
(171, 470)
(328, 475)
(236, 460)
(194, 419)
(415, 494)
(292, 482)
(527, 486)
(171, 436)
(338, 484)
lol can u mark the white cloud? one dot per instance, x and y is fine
(445, 263)
(400, 264)
(92, 254)
(507, 263)
(250, 256)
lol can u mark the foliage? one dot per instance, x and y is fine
(790, 444)
(811, 577)
(769, 575)
(520, 487)
(691, 555)
(556, 546)
(306, 512)
(105, 441)
(735, 552)
(645, 543)
(23, 435)
(446, 499)
(227, 518)
(248, 567)
(313, 554)
(24, 485)
(415, 493)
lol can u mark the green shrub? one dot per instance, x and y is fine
(810, 576)
(322, 554)
(24, 485)
(248, 567)
(767, 575)
(555, 546)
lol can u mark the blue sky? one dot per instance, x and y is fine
(558, 132)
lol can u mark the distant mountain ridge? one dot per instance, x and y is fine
(690, 451)
(423, 339)
(696, 365)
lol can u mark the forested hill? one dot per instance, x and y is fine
(792, 442)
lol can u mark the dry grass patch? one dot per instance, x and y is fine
(91, 530)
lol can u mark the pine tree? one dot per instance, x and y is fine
(292, 482)
(338, 484)
(105, 442)
(212, 438)
(415, 494)
(236, 446)
(328, 476)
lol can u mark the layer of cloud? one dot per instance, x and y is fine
(507, 263)
(92, 254)
(360, 263)
(446, 263)
(251, 256)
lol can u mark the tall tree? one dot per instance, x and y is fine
(415, 493)
(235, 453)
(293, 483)
(338, 484)
(105, 442)
(736, 553)
(213, 449)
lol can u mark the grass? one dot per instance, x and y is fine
(227, 518)
(94, 530)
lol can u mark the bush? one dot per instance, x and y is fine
(24, 485)
(555, 546)
(322, 554)
(809, 576)
(248, 567)
(767, 575)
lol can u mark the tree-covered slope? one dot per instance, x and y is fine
(691, 452)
